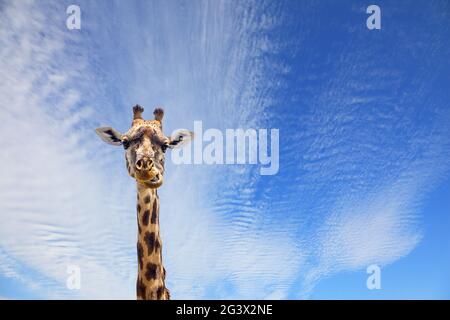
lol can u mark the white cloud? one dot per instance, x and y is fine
(65, 197)
(50, 190)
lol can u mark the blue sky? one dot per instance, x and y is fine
(363, 117)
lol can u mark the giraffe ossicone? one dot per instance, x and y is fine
(145, 145)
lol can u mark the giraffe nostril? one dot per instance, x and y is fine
(147, 164)
(150, 164)
(139, 164)
(144, 164)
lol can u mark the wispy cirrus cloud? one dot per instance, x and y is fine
(47, 201)
(75, 213)
(354, 165)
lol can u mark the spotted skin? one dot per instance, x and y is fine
(154, 212)
(145, 217)
(152, 273)
(140, 290)
(140, 251)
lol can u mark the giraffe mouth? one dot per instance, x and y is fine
(151, 178)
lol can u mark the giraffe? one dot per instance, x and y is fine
(145, 146)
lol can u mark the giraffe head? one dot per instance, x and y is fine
(145, 145)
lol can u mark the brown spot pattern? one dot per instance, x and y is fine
(145, 217)
(160, 293)
(152, 271)
(140, 289)
(149, 239)
(140, 252)
(154, 212)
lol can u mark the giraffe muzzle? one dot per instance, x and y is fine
(144, 164)
(152, 179)
(147, 173)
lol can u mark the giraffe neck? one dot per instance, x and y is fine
(151, 273)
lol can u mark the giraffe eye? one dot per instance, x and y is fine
(125, 143)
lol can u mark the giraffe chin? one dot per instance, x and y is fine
(152, 179)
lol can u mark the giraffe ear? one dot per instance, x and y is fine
(109, 135)
(180, 138)
(159, 114)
